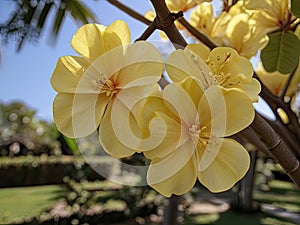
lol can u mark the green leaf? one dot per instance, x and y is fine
(295, 8)
(281, 53)
(71, 144)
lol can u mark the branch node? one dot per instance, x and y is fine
(162, 25)
(294, 169)
(279, 141)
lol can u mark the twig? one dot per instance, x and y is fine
(201, 37)
(129, 11)
(277, 148)
(287, 83)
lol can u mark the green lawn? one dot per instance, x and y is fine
(17, 203)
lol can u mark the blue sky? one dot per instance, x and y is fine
(25, 76)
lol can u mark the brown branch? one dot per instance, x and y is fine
(250, 136)
(147, 33)
(287, 83)
(201, 37)
(276, 102)
(129, 11)
(165, 22)
(290, 138)
(277, 148)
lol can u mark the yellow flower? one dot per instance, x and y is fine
(183, 5)
(222, 66)
(203, 19)
(276, 81)
(194, 145)
(269, 14)
(108, 73)
(243, 35)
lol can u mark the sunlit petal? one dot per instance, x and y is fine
(67, 73)
(88, 41)
(108, 139)
(230, 165)
(120, 28)
(142, 65)
(78, 115)
(178, 66)
(175, 174)
(179, 99)
(224, 119)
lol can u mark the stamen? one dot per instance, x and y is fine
(198, 135)
(205, 81)
(105, 86)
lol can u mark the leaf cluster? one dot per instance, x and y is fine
(28, 19)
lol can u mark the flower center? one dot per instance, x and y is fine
(198, 135)
(105, 86)
(218, 75)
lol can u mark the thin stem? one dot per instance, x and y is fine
(201, 37)
(287, 83)
(277, 148)
(129, 11)
(147, 33)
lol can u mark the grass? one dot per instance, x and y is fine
(22, 202)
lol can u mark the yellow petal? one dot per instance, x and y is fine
(120, 28)
(173, 138)
(199, 49)
(218, 112)
(230, 165)
(108, 139)
(127, 130)
(88, 41)
(181, 102)
(67, 73)
(178, 66)
(142, 65)
(175, 174)
(78, 115)
(252, 89)
(193, 89)
(209, 152)
(236, 64)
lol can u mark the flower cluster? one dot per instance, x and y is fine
(245, 25)
(184, 129)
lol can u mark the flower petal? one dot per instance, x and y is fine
(175, 174)
(236, 64)
(78, 115)
(230, 165)
(178, 66)
(108, 139)
(223, 118)
(209, 152)
(67, 73)
(88, 41)
(199, 49)
(128, 132)
(252, 89)
(180, 101)
(143, 65)
(172, 139)
(120, 28)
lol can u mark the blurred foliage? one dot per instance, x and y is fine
(21, 133)
(28, 19)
